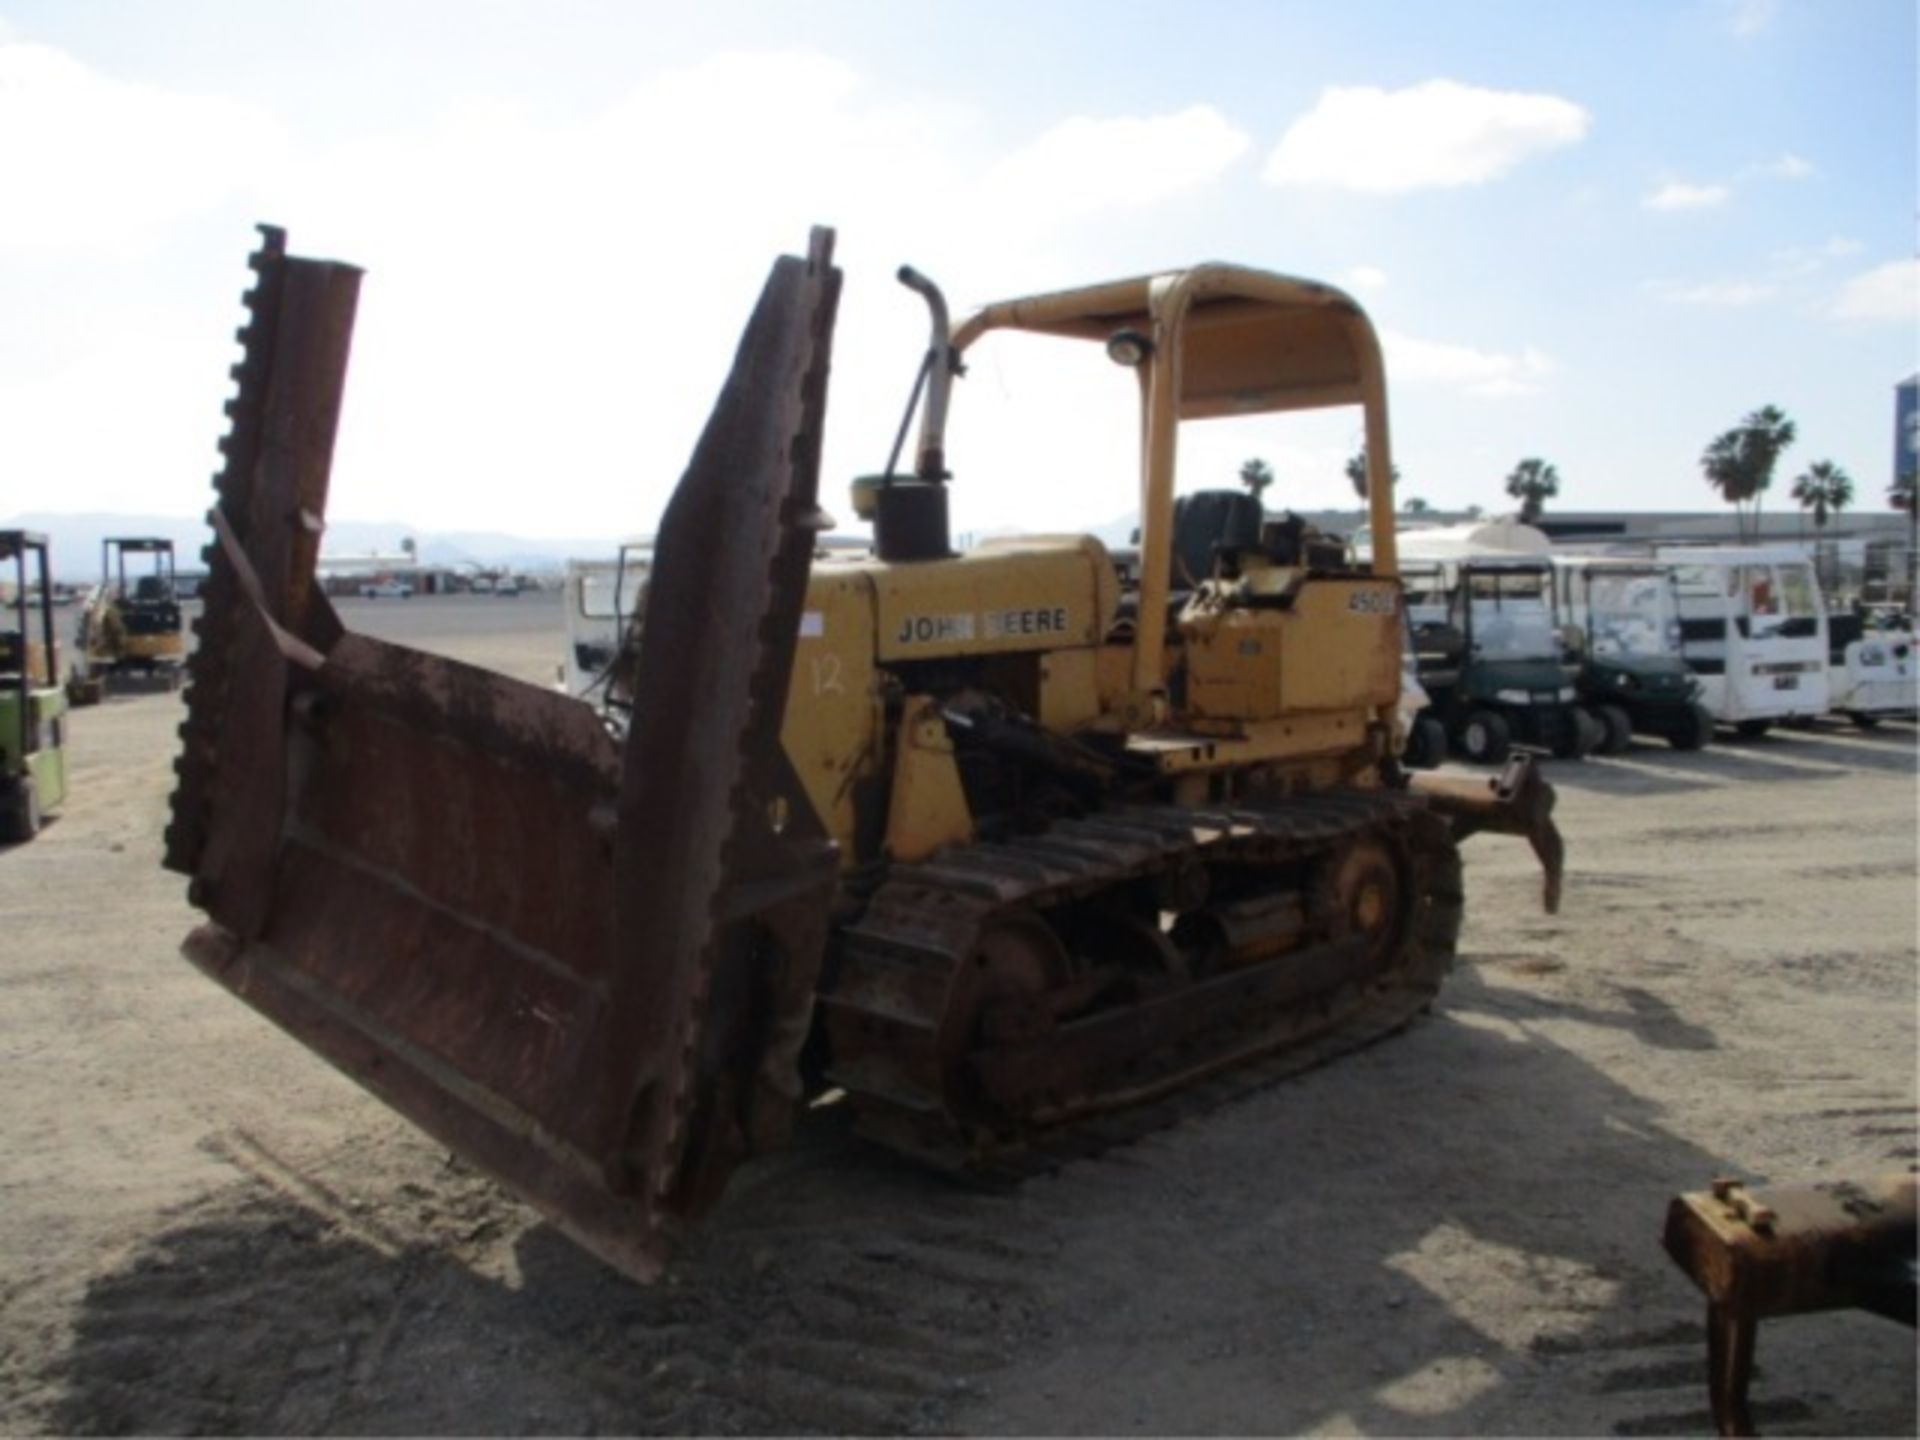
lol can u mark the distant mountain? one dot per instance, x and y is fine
(74, 541)
(455, 548)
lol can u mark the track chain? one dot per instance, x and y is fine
(888, 1000)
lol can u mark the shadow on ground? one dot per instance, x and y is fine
(1411, 1239)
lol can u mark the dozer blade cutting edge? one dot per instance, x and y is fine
(587, 967)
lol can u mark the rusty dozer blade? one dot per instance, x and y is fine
(586, 967)
(1517, 801)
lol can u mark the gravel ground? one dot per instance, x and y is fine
(203, 1228)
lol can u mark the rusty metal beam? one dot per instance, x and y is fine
(1789, 1250)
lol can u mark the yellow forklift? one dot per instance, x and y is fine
(33, 752)
(132, 625)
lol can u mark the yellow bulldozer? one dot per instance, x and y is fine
(986, 846)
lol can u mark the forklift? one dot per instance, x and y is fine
(132, 625)
(33, 751)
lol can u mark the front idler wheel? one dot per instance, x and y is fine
(999, 997)
(1367, 896)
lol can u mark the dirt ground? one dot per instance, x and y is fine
(203, 1228)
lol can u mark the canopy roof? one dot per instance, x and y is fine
(1480, 541)
(1254, 341)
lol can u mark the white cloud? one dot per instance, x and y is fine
(1084, 165)
(1687, 195)
(1785, 270)
(1438, 134)
(96, 163)
(1367, 277)
(1680, 195)
(598, 268)
(1486, 373)
(553, 295)
(1886, 292)
(637, 260)
(1798, 261)
(1729, 293)
(1748, 18)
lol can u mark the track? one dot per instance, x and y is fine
(905, 1012)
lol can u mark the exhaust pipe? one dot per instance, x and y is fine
(910, 516)
(930, 464)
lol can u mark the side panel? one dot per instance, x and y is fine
(1336, 648)
(1344, 647)
(1734, 619)
(832, 728)
(49, 762)
(990, 602)
(1771, 679)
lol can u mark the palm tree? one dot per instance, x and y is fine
(1824, 487)
(1531, 483)
(1416, 506)
(1739, 462)
(1357, 472)
(1257, 475)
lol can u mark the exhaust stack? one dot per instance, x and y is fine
(910, 516)
(930, 464)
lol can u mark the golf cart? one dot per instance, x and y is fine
(1872, 672)
(1490, 657)
(1632, 676)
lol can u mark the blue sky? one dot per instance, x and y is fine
(1597, 233)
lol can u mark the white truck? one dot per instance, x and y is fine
(604, 600)
(1753, 630)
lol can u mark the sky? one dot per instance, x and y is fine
(1598, 232)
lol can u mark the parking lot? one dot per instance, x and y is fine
(203, 1228)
